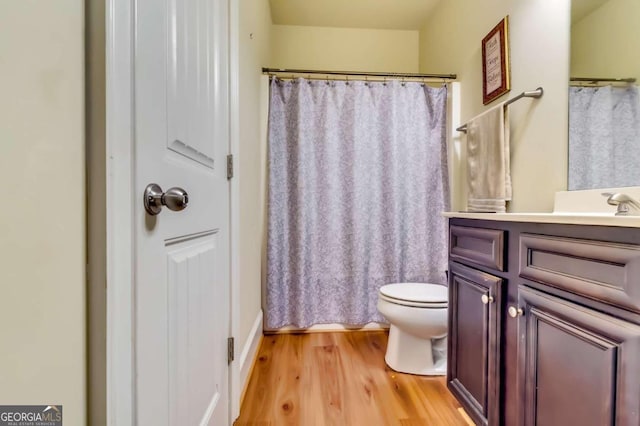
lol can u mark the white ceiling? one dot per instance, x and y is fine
(377, 14)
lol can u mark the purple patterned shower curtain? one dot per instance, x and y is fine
(357, 184)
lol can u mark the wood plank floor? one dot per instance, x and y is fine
(340, 379)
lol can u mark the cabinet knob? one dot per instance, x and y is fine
(486, 299)
(515, 312)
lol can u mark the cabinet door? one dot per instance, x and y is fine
(473, 375)
(576, 366)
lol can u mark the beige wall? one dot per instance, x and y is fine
(254, 49)
(344, 49)
(42, 237)
(606, 42)
(96, 212)
(539, 30)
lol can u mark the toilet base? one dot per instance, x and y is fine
(409, 354)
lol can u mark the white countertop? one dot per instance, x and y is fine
(601, 219)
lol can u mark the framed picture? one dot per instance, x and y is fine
(495, 62)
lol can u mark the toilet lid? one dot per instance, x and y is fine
(416, 292)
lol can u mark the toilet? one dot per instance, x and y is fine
(417, 314)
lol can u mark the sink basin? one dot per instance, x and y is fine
(591, 201)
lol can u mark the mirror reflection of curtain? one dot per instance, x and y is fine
(604, 137)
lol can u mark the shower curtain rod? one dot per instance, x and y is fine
(276, 71)
(530, 94)
(595, 80)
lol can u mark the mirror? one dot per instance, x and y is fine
(604, 101)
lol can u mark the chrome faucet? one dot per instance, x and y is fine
(627, 206)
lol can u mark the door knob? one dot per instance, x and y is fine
(175, 199)
(486, 299)
(515, 312)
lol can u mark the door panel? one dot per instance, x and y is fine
(577, 366)
(192, 344)
(473, 374)
(182, 258)
(193, 77)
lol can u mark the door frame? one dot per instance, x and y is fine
(120, 202)
(234, 202)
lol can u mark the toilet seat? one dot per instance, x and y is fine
(416, 295)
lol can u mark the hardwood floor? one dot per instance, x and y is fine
(340, 379)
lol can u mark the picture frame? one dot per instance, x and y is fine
(495, 62)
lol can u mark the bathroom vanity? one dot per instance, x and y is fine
(544, 318)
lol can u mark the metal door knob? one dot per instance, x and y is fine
(515, 312)
(175, 199)
(486, 299)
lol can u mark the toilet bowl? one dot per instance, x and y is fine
(417, 314)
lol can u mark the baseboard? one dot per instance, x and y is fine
(335, 327)
(249, 354)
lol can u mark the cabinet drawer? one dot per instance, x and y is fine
(477, 245)
(608, 272)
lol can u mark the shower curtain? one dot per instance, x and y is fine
(357, 184)
(604, 137)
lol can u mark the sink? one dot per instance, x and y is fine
(588, 207)
(590, 201)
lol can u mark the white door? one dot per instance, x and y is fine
(182, 257)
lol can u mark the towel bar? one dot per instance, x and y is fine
(530, 94)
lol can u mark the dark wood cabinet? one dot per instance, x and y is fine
(577, 366)
(544, 323)
(484, 247)
(475, 301)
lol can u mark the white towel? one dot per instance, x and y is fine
(488, 164)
